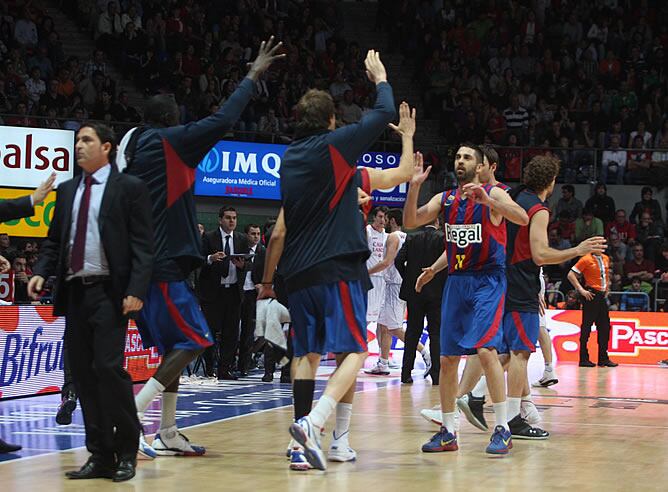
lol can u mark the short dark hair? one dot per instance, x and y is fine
(224, 209)
(375, 210)
(105, 133)
(397, 215)
(476, 150)
(540, 172)
(248, 227)
(568, 188)
(314, 111)
(646, 189)
(161, 110)
(587, 211)
(490, 153)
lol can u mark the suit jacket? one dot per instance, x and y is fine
(258, 271)
(16, 208)
(126, 232)
(211, 275)
(250, 265)
(420, 251)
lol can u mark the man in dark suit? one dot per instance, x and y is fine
(100, 248)
(420, 251)
(221, 282)
(15, 209)
(248, 300)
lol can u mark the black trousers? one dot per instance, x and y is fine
(246, 336)
(418, 308)
(95, 332)
(68, 383)
(223, 319)
(595, 311)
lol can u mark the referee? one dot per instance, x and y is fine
(595, 268)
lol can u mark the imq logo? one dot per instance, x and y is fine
(225, 161)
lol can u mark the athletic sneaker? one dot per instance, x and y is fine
(500, 442)
(426, 357)
(663, 363)
(392, 364)
(298, 461)
(549, 378)
(288, 452)
(145, 451)
(442, 441)
(529, 412)
(308, 436)
(520, 429)
(340, 450)
(170, 442)
(471, 407)
(434, 416)
(380, 369)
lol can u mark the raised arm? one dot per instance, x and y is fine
(413, 216)
(500, 203)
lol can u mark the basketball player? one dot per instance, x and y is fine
(320, 240)
(473, 298)
(391, 318)
(376, 238)
(530, 249)
(165, 156)
(549, 374)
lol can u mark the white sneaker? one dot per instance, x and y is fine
(145, 451)
(549, 378)
(380, 369)
(426, 357)
(308, 436)
(340, 450)
(392, 364)
(529, 412)
(170, 442)
(434, 416)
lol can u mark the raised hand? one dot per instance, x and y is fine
(476, 192)
(265, 57)
(419, 174)
(406, 127)
(375, 69)
(43, 189)
(35, 286)
(595, 245)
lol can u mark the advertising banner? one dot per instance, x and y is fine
(7, 286)
(29, 155)
(31, 352)
(35, 226)
(252, 170)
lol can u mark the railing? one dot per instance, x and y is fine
(554, 292)
(613, 294)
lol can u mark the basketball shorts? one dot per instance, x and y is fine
(393, 309)
(172, 319)
(329, 318)
(520, 330)
(472, 312)
(376, 297)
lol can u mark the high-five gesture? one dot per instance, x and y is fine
(419, 173)
(43, 189)
(406, 127)
(266, 56)
(595, 245)
(477, 193)
(375, 69)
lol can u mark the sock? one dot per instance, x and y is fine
(448, 421)
(343, 413)
(514, 405)
(383, 361)
(168, 413)
(501, 414)
(480, 389)
(322, 410)
(424, 352)
(147, 394)
(548, 367)
(302, 396)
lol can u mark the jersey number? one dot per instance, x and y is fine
(460, 261)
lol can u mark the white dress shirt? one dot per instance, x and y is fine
(232, 272)
(95, 261)
(248, 283)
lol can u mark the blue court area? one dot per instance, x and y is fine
(31, 423)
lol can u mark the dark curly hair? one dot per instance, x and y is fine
(540, 172)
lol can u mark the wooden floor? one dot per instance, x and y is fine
(609, 432)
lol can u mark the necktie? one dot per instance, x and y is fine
(79, 246)
(226, 261)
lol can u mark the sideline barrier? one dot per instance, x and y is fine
(31, 352)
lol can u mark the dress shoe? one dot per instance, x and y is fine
(407, 380)
(226, 376)
(65, 410)
(125, 470)
(285, 378)
(91, 469)
(5, 447)
(607, 363)
(267, 378)
(586, 363)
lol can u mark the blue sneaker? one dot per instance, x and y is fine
(298, 461)
(308, 436)
(500, 442)
(440, 442)
(145, 450)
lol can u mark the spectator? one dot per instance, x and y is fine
(564, 226)
(639, 267)
(638, 163)
(622, 227)
(122, 111)
(635, 299)
(19, 265)
(613, 159)
(602, 205)
(650, 235)
(35, 86)
(645, 136)
(517, 117)
(587, 226)
(646, 204)
(25, 31)
(568, 207)
(5, 245)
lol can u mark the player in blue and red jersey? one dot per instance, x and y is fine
(165, 155)
(474, 295)
(528, 249)
(320, 240)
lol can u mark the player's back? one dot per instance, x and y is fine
(472, 241)
(391, 274)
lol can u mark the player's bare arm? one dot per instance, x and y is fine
(273, 254)
(541, 252)
(389, 178)
(500, 203)
(414, 216)
(575, 282)
(391, 250)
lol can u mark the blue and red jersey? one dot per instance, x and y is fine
(503, 186)
(472, 241)
(522, 272)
